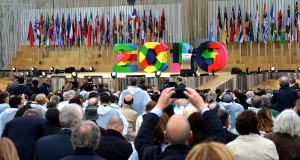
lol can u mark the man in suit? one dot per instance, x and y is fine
(45, 87)
(224, 117)
(179, 84)
(294, 85)
(166, 83)
(19, 90)
(35, 88)
(113, 145)
(59, 145)
(142, 85)
(101, 88)
(177, 130)
(25, 131)
(10, 87)
(192, 50)
(85, 139)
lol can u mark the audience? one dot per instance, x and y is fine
(52, 115)
(4, 100)
(41, 104)
(249, 95)
(35, 88)
(67, 97)
(285, 135)
(11, 86)
(139, 121)
(45, 87)
(265, 122)
(243, 100)
(51, 104)
(266, 103)
(297, 107)
(256, 104)
(8, 150)
(225, 120)
(198, 128)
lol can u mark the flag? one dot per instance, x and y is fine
(71, 35)
(211, 34)
(219, 27)
(288, 22)
(239, 30)
(114, 30)
(272, 20)
(137, 25)
(296, 18)
(162, 24)
(57, 25)
(60, 38)
(107, 38)
(247, 31)
(144, 28)
(120, 29)
(37, 32)
(30, 36)
(232, 26)
(41, 30)
(224, 33)
(251, 34)
(63, 28)
(150, 27)
(53, 30)
(89, 31)
(265, 25)
(156, 26)
(102, 29)
(75, 30)
(47, 31)
(97, 30)
(280, 19)
(298, 29)
(129, 30)
(257, 30)
(68, 30)
(282, 35)
(78, 31)
(85, 26)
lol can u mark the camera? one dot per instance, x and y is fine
(179, 93)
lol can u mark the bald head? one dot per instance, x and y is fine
(128, 99)
(93, 101)
(284, 81)
(178, 130)
(115, 123)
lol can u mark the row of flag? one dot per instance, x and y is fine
(130, 28)
(241, 30)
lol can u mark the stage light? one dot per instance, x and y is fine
(74, 74)
(27, 73)
(298, 69)
(213, 72)
(259, 70)
(14, 69)
(44, 74)
(196, 73)
(272, 69)
(32, 69)
(157, 74)
(91, 68)
(82, 69)
(247, 70)
(51, 69)
(113, 75)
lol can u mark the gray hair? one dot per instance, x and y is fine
(211, 96)
(72, 92)
(256, 102)
(269, 91)
(55, 98)
(51, 104)
(284, 81)
(86, 135)
(287, 122)
(250, 94)
(70, 115)
(223, 115)
(32, 112)
(67, 96)
(266, 100)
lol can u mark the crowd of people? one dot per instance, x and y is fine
(142, 122)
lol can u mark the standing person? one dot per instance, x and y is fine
(294, 84)
(19, 90)
(45, 87)
(101, 88)
(84, 82)
(4, 100)
(284, 97)
(193, 58)
(10, 87)
(35, 87)
(142, 85)
(8, 150)
(179, 84)
(141, 97)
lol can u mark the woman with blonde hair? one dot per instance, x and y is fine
(297, 106)
(265, 122)
(211, 150)
(41, 104)
(8, 150)
(68, 86)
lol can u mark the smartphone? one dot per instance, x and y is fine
(179, 94)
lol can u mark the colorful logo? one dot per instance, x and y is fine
(153, 57)
(211, 55)
(177, 51)
(127, 54)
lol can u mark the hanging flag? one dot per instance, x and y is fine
(232, 26)
(107, 38)
(247, 30)
(97, 30)
(251, 34)
(282, 35)
(42, 31)
(60, 37)
(257, 30)
(90, 31)
(211, 34)
(114, 30)
(85, 27)
(102, 30)
(225, 32)
(150, 27)
(156, 26)
(78, 31)
(265, 25)
(30, 36)
(144, 28)
(57, 24)
(67, 37)
(280, 19)
(137, 24)
(37, 32)
(162, 24)
(272, 20)
(120, 29)
(296, 19)
(298, 29)
(288, 20)
(239, 30)
(71, 35)
(75, 30)
(130, 36)
(53, 28)
(48, 31)
(219, 27)
(63, 28)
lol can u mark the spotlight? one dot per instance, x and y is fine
(213, 72)
(298, 69)
(157, 74)
(27, 73)
(82, 69)
(44, 74)
(247, 70)
(272, 69)
(91, 68)
(14, 69)
(113, 75)
(196, 73)
(32, 69)
(259, 70)
(56, 71)
(74, 74)
(51, 69)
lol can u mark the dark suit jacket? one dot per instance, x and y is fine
(295, 86)
(285, 98)
(230, 136)
(114, 146)
(214, 126)
(83, 154)
(144, 143)
(180, 86)
(36, 90)
(19, 90)
(45, 88)
(143, 87)
(54, 129)
(10, 87)
(24, 133)
(55, 146)
(100, 90)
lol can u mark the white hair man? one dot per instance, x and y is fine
(59, 144)
(85, 139)
(67, 97)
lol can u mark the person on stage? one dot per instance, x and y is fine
(193, 59)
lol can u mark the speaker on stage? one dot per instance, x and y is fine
(70, 70)
(236, 70)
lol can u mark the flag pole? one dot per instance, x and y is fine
(290, 52)
(258, 49)
(266, 56)
(281, 48)
(240, 52)
(251, 51)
